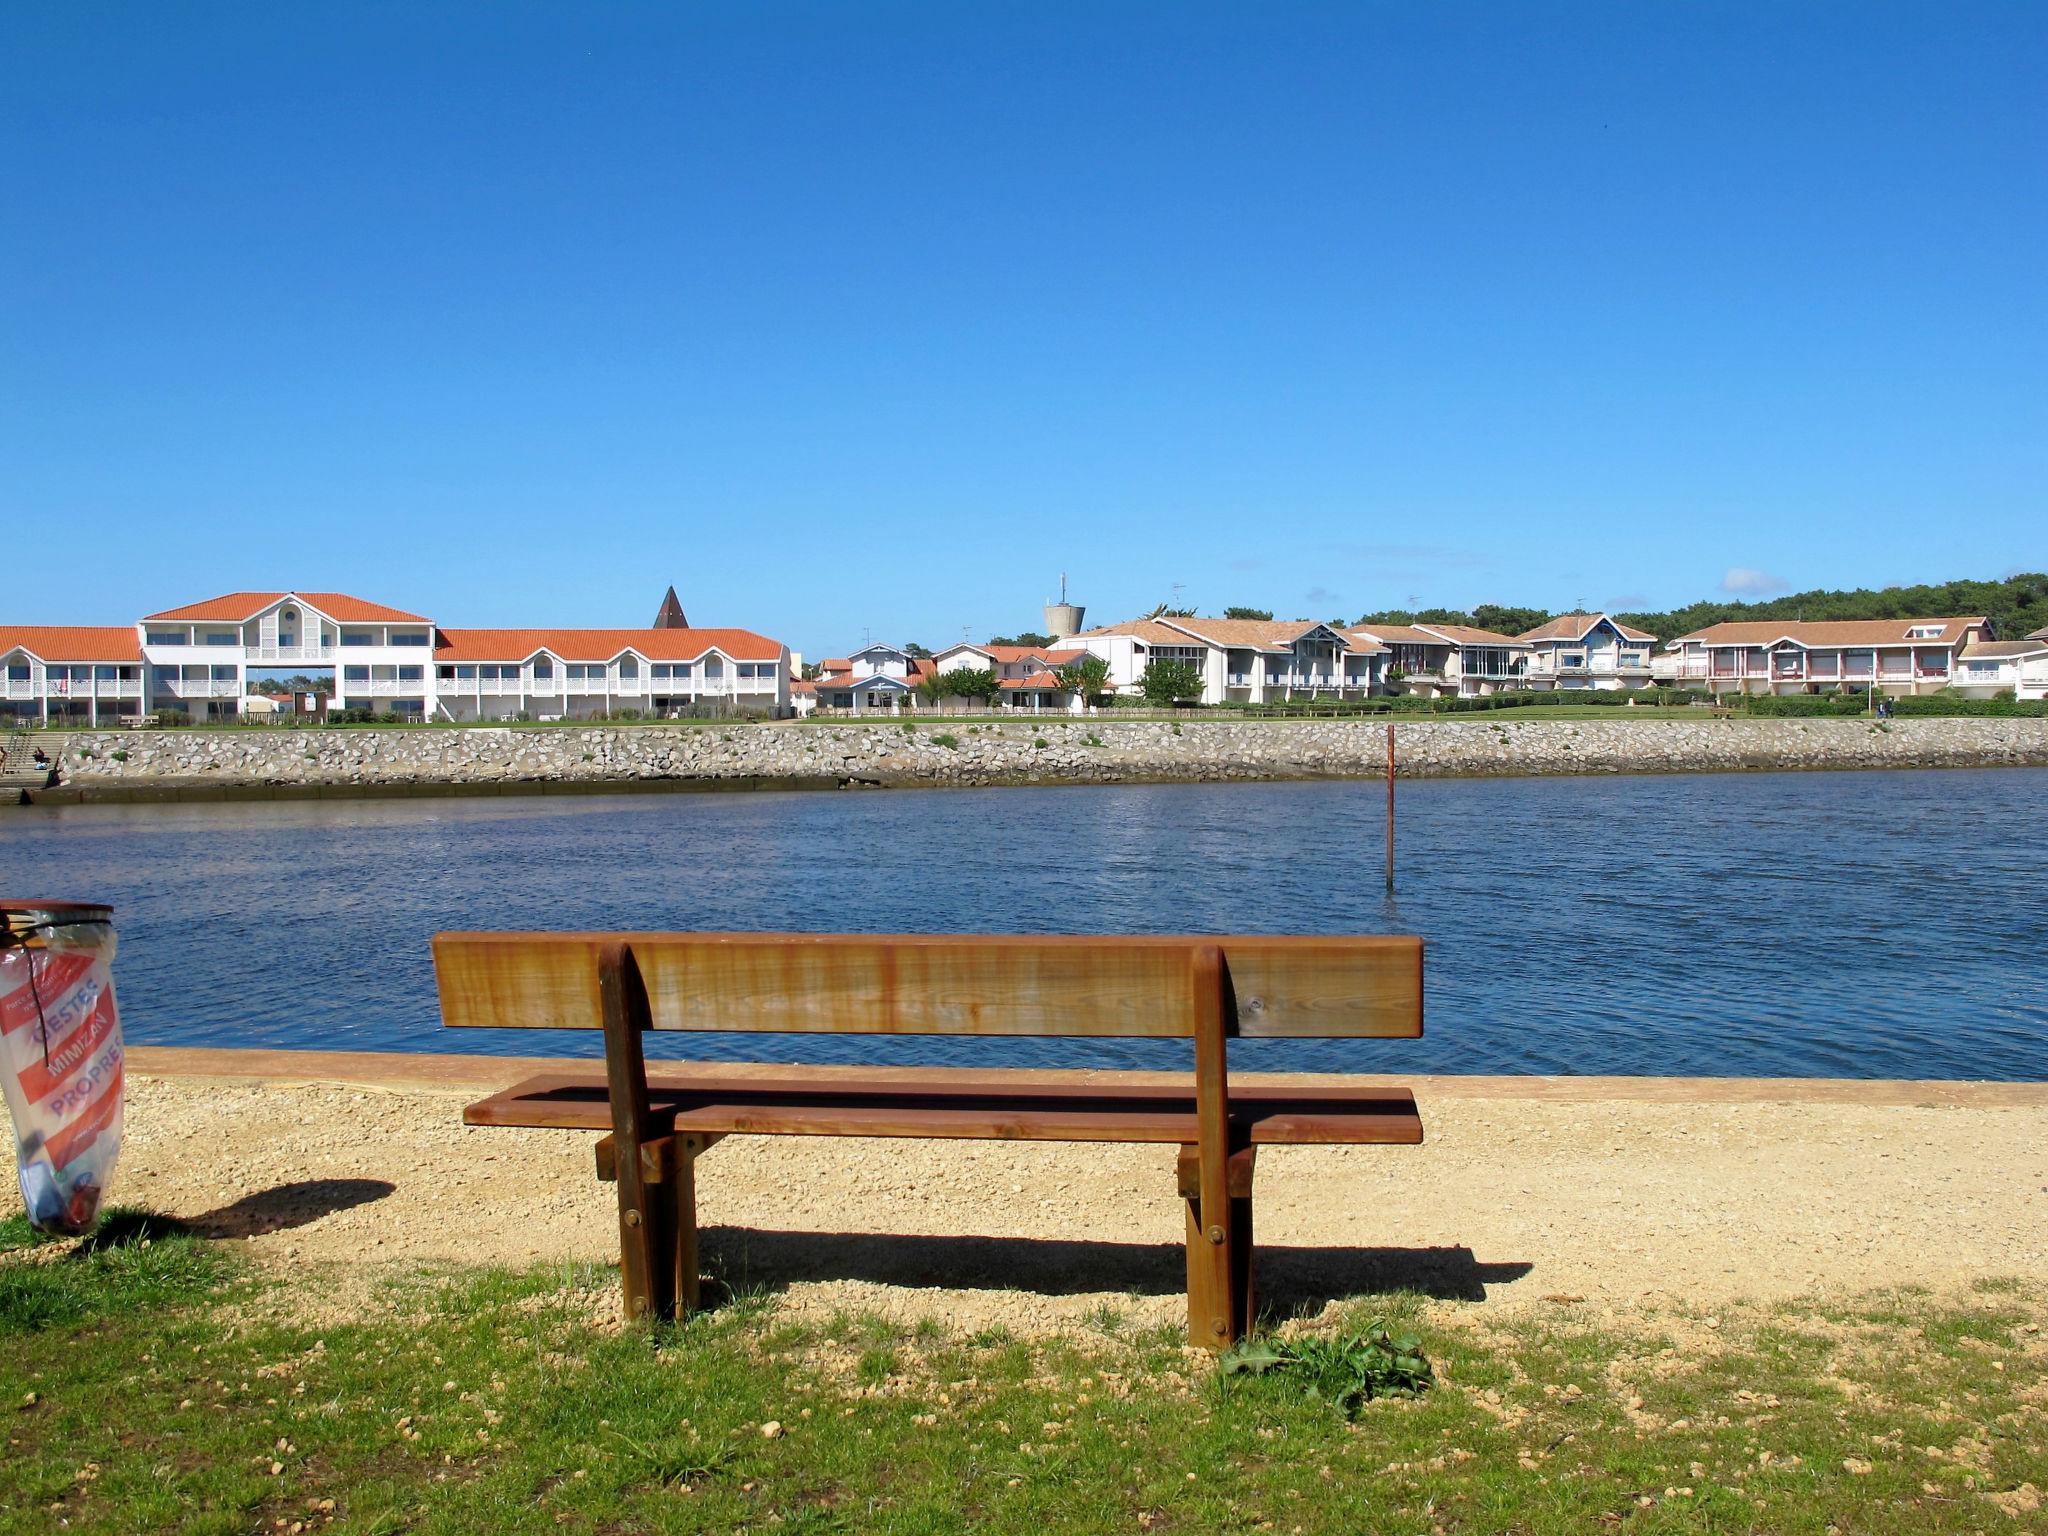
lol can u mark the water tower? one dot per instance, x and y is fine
(1063, 619)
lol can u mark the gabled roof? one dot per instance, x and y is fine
(1832, 632)
(1982, 649)
(1034, 682)
(1151, 631)
(1437, 634)
(1009, 655)
(602, 644)
(851, 684)
(1253, 634)
(1576, 626)
(2039, 634)
(72, 642)
(240, 607)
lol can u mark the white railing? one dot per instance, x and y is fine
(200, 688)
(381, 688)
(17, 688)
(290, 652)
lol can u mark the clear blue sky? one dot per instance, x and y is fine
(877, 317)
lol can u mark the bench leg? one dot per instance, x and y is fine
(658, 1227)
(1221, 1302)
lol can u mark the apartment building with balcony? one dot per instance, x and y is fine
(70, 674)
(196, 663)
(1890, 656)
(1448, 660)
(1587, 650)
(1241, 661)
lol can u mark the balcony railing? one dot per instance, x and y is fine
(291, 652)
(199, 688)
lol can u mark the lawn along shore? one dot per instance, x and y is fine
(1659, 1305)
(341, 763)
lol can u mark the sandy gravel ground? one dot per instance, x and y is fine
(1525, 1192)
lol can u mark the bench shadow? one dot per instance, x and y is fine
(284, 1206)
(1290, 1279)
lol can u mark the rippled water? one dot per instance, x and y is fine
(1830, 924)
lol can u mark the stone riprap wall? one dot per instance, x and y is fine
(201, 763)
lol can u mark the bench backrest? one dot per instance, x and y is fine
(943, 984)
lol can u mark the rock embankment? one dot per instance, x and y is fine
(317, 762)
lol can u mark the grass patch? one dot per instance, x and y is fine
(133, 1261)
(185, 1400)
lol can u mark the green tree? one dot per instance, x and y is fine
(1167, 683)
(916, 652)
(1088, 677)
(1248, 613)
(972, 683)
(931, 688)
(1027, 639)
(1508, 621)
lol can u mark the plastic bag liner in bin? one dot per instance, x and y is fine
(60, 1057)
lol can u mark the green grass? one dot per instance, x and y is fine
(174, 1391)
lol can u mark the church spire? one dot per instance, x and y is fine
(671, 615)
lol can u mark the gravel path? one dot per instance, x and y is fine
(1616, 1191)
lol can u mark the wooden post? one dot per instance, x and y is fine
(1215, 1273)
(646, 1235)
(1390, 807)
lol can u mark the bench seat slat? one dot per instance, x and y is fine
(822, 1102)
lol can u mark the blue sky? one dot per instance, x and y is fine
(876, 318)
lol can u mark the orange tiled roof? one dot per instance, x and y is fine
(239, 607)
(1831, 632)
(72, 642)
(1576, 626)
(1033, 682)
(601, 644)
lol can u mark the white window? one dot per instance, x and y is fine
(1926, 631)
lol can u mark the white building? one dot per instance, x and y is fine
(1892, 656)
(1587, 650)
(1240, 661)
(88, 675)
(1988, 668)
(1449, 660)
(195, 662)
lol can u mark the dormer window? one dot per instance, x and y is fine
(1926, 631)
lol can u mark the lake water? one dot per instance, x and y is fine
(1823, 924)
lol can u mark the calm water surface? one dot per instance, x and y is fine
(1830, 924)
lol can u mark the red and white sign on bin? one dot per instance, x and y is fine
(60, 1057)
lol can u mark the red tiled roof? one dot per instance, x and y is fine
(239, 607)
(72, 642)
(1034, 682)
(601, 644)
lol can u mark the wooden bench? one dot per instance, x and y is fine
(1201, 989)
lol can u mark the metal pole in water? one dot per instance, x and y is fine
(1390, 807)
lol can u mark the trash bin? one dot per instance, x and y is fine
(60, 1057)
